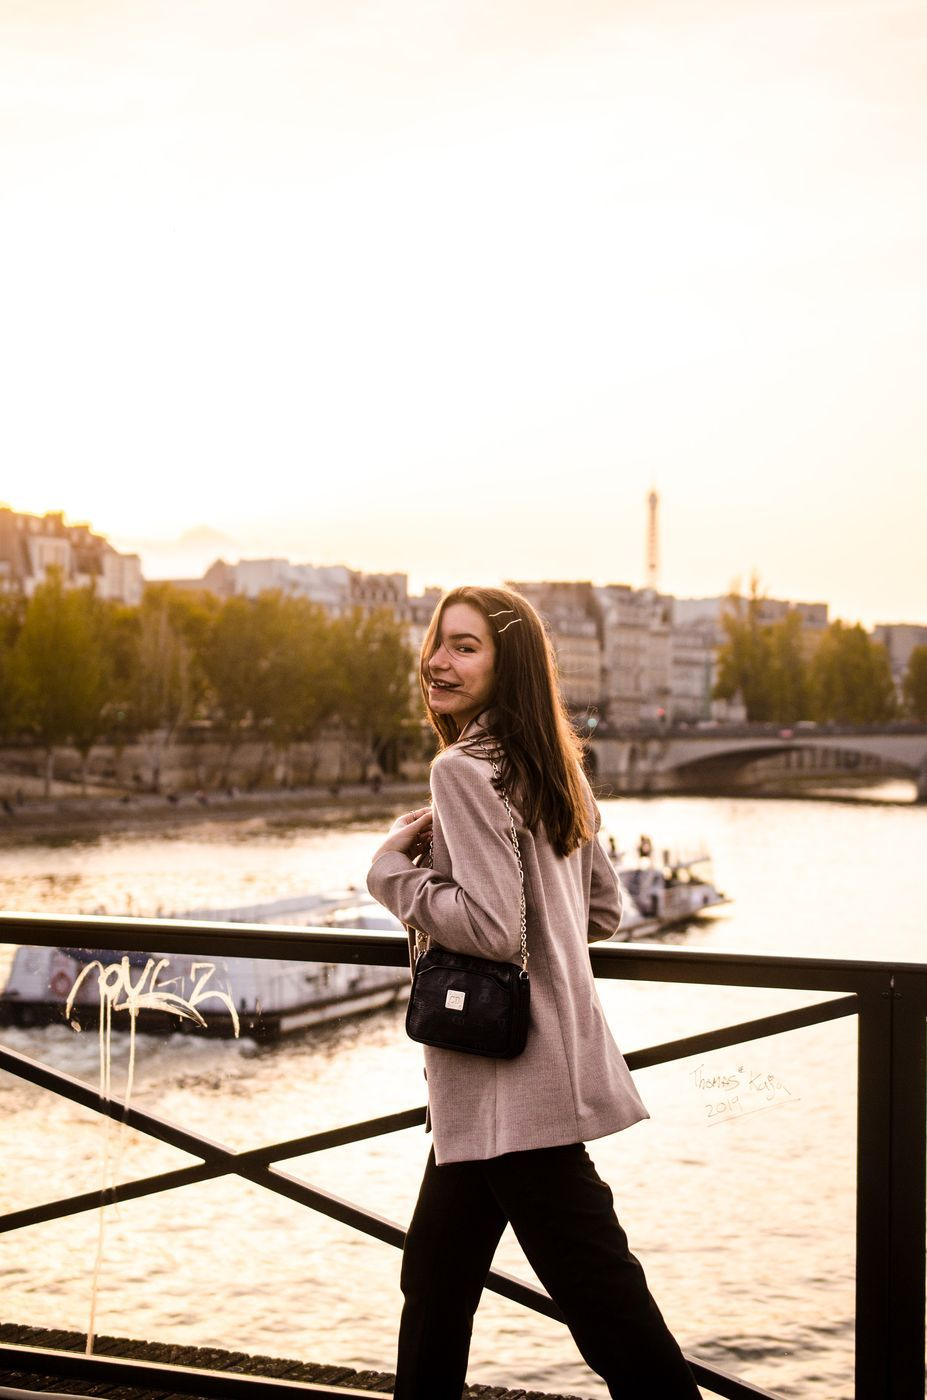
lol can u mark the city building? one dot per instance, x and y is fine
(571, 613)
(633, 625)
(33, 545)
(417, 614)
(327, 585)
(771, 610)
(626, 656)
(334, 587)
(371, 592)
(693, 672)
(899, 640)
(615, 654)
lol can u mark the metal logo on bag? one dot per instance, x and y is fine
(454, 1001)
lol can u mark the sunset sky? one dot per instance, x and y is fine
(444, 286)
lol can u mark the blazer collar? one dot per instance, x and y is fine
(476, 727)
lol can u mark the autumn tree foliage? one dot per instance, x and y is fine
(374, 672)
(270, 664)
(783, 673)
(12, 612)
(60, 670)
(744, 657)
(275, 668)
(851, 678)
(164, 678)
(766, 664)
(915, 684)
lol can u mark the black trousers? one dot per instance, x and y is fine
(562, 1215)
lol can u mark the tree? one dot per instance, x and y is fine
(375, 667)
(915, 684)
(234, 659)
(296, 690)
(93, 706)
(161, 683)
(60, 670)
(852, 678)
(789, 678)
(300, 690)
(269, 664)
(12, 614)
(744, 659)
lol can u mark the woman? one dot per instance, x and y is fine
(509, 1134)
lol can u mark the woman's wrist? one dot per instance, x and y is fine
(386, 851)
(409, 835)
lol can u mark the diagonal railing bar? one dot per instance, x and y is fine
(386, 1231)
(757, 1029)
(110, 1196)
(251, 1166)
(227, 1163)
(77, 1091)
(207, 1171)
(219, 1160)
(223, 1161)
(44, 1077)
(722, 1383)
(337, 1137)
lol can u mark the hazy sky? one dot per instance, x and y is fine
(445, 285)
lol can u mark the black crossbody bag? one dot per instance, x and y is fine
(474, 1005)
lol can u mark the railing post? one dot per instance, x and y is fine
(909, 1184)
(891, 1184)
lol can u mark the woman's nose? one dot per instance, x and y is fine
(439, 660)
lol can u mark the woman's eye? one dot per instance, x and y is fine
(465, 648)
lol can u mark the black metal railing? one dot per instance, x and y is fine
(889, 1001)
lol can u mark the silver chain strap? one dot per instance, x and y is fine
(521, 869)
(420, 938)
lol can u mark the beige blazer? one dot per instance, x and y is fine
(571, 1083)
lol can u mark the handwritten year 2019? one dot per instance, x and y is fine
(735, 1092)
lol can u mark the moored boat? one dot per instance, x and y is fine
(663, 894)
(267, 998)
(258, 997)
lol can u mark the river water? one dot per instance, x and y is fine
(744, 1219)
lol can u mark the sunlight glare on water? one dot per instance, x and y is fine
(745, 1225)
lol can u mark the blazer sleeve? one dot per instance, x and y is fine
(605, 900)
(477, 908)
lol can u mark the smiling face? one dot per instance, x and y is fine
(461, 670)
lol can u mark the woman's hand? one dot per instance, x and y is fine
(410, 834)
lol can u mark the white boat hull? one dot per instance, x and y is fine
(264, 998)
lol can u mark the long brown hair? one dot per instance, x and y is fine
(538, 751)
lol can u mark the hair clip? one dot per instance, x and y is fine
(501, 611)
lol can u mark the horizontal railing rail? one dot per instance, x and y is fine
(890, 1003)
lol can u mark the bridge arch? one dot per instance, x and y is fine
(654, 759)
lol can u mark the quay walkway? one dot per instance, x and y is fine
(887, 1001)
(295, 1378)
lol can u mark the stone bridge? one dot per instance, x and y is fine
(656, 759)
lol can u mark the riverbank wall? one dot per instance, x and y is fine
(194, 761)
(136, 783)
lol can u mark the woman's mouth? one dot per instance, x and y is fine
(443, 685)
